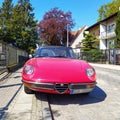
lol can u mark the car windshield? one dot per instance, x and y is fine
(61, 52)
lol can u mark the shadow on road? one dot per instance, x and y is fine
(12, 85)
(97, 95)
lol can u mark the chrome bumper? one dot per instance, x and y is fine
(62, 87)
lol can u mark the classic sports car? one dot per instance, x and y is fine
(54, 69)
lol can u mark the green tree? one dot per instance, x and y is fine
(24, 26)
(117, 31)
(90, 51)
(17, 24)
(89, 42)
(5, 21)
(108, 9)
(54, 26)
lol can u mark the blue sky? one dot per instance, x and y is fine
(84, 12)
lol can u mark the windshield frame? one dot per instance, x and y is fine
(55, 52)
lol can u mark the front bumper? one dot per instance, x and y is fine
(61, 88)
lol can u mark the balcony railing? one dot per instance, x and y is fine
(108, 34)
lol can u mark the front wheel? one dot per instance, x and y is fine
(27, 90)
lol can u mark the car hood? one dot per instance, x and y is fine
(58, 70)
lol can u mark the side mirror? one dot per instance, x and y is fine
(30, 56)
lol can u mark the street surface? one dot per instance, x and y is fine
(103, 103)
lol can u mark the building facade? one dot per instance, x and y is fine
(76, 43)
(105, 31)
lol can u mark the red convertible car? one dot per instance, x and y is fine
(55, 70)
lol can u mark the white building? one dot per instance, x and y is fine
(105, 31)
(78, 39)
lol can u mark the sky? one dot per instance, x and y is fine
(84, 12)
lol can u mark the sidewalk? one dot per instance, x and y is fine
(16, 105)
(20, 108)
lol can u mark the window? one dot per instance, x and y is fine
(111, 28)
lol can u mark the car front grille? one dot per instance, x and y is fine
(61, 88)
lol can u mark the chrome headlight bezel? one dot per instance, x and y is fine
(28, 69)
(90, 72)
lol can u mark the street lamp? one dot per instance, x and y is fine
(67, 32)
(67, 36)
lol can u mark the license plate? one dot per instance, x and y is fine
(75, 91)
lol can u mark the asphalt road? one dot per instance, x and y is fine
(103, 103)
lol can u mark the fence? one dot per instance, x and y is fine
(11, 56)
(111, 56)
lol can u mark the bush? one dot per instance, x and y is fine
(94, 55)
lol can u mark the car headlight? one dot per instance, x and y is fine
(28, 69)
(90, 72)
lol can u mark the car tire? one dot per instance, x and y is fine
(27, 90)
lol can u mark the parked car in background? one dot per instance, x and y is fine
(54, 69)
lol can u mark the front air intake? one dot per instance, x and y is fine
(61, 88)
